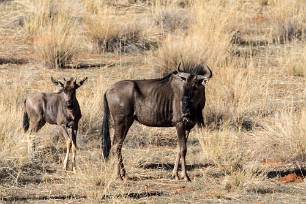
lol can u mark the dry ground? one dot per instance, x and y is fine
(253, 149)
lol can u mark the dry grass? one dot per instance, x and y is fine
(255, 109)
(199, 45)
(110, 31)
(53, 31)
(236, 97)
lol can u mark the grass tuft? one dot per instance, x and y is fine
(53, 31)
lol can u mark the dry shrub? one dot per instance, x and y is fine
(172, 19)
(94, 6)
(208, 38)
(225, 148)
(292, 59)
(5, 1)
(283, 137)
(90, 124)
(53, 29)
(164, 3)
(111, 32)
(13, 146)
(286, 31)
(177, 50)
(263, 2)
(287, 20)
(212, 32)
(56, 45)
(236, 97)
(231, 152)
(109, 36)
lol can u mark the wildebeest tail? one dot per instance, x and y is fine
(26, 123)
(106, 141)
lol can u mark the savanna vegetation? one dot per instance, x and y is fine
(253, 149)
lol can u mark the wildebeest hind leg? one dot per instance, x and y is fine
(35, 126)
(120, 134)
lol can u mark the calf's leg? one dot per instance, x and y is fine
(37, 122)
(68, 144)
(74, 146)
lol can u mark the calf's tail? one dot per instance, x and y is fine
(106, 141)
(26, 123)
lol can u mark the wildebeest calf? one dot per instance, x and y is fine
(60, 108)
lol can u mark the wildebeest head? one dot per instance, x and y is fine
(68, 88)
(195, 77)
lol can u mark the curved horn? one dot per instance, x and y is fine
(208, 71)
(207, 75)
(178, 67)
(183, 75)
(180, 73)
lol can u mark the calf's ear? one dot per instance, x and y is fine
(81, 82)
(57, 82)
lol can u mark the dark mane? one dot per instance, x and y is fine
(166, 78)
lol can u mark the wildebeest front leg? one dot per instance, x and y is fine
(177, 160)
(68, 143)
(182, 138)
(74, 134)
(178, 157)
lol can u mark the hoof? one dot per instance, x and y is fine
(175, 177)
(186, 178)
(119, 178)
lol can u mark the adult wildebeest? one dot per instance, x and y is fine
(60, 108)
(176, 100)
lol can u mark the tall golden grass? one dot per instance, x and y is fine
(53, 28)
(255, 108)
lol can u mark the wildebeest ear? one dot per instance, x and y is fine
(81, 82)
(57, 82)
